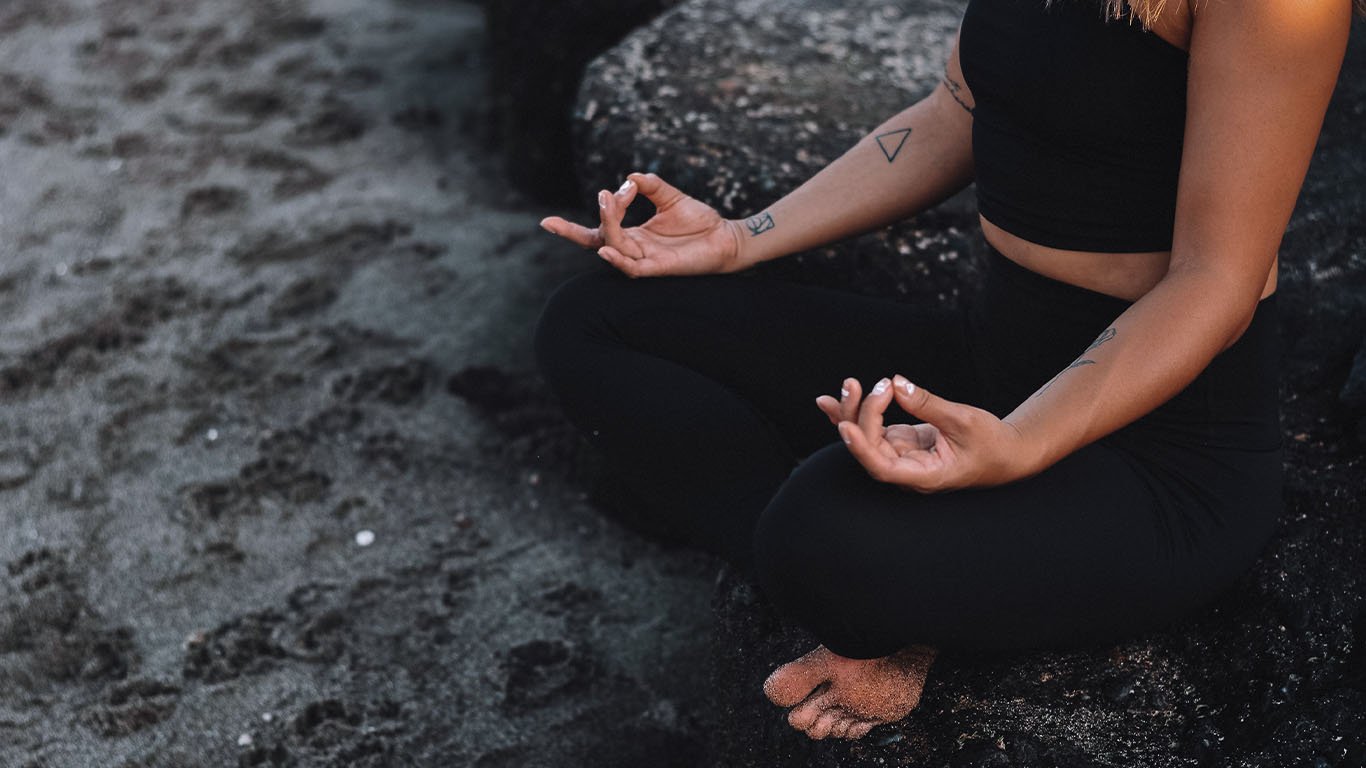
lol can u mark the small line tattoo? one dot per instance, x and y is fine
(760, 224)
(1106, 335)
(891, 142)
(954, 88)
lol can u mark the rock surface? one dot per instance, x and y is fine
(1353, 395)
(1274, 673)
(537, 52)
(739, 103)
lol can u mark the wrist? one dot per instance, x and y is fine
(741, 258)
(1027, 454)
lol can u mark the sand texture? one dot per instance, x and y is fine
(278, 483)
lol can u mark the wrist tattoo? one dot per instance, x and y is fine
(1106, 335)
(760, 224)
(891, 142)
(955, 90)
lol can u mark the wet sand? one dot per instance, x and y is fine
(278, 482)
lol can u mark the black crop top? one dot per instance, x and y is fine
(1078, 124)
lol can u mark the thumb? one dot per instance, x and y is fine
(660, 192)
(923, 404)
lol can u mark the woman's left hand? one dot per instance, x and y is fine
(957, 446)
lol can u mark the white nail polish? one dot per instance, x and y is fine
(625, 185)
(881, 387)
(909, 387)
(844, 393)
(602, 199)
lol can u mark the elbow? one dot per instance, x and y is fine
(1227, 299)
(1240, 327)
(1239, 314)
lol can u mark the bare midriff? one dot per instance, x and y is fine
(1124, 275)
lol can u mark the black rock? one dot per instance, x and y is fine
(981, 754)
(1354, 389)
(737, 105)
(537, 52)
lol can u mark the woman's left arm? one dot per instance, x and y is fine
(1260, 76)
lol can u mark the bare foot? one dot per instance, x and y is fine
(844, 698)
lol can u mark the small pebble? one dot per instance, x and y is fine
(212, 434)
(267, 717)
(61, 270)
(890, 738)
(365, 538)
(244, 740)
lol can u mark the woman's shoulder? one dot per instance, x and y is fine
(1277, 24)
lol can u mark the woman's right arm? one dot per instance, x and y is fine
(911, 162)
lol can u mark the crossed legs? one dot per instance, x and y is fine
(700, 392)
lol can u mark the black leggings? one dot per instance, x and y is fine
(700, 392)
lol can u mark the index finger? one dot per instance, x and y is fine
(879, 465)
(611, 213)
(575, 233)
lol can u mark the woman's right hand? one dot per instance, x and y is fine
(684, 237)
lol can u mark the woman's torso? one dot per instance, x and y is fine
(1127, 275)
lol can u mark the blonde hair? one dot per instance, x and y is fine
(1144, 10)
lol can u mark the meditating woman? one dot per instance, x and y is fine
(1093, 448)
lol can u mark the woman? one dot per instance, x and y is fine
(1095, 449)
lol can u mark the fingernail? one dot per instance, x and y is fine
(546, 227)
(908, 387)
(844, 392)
(625, 185)
(881, 386)
(602, 199)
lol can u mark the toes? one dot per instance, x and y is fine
(824, 723)
(804, 716)
(794, 681)
(840, 729)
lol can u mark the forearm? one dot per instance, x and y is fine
(1151, 352)
(911, 162)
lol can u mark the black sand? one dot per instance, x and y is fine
(261, 292)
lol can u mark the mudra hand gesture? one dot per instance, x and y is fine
(956, 446)
(684, 237)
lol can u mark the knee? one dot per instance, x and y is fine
(569, 317)
(819, 558)
(803, 539)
